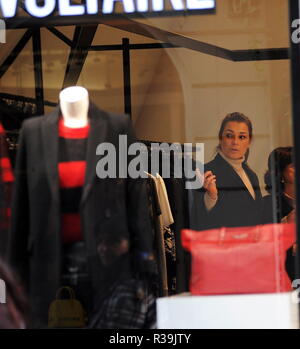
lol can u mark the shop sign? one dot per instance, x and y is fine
(42, 9)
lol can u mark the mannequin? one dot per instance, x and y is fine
(73, 132)
(74, 105)
(61, 209)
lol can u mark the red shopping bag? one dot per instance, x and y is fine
(239, 260)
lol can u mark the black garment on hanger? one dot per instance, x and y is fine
(178, 198)
(179, 203)
(179, 207)
(154, 213)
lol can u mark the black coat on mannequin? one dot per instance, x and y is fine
(235, 206)
(107, 205)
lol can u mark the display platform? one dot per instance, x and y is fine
(251, 311)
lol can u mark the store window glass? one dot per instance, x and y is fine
(217, 83)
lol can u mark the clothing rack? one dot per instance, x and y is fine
(185, 146)
(180, 200)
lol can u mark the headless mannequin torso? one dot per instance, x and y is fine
(74, 105)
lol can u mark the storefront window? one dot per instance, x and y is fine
(177, 77)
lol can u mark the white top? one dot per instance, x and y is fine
(166, 213)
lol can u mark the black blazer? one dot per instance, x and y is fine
(235, 206)
(273, 211)
(117, 206)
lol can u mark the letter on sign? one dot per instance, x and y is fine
(66, 9)
(40, 11)
(8, 8)
(200, 4)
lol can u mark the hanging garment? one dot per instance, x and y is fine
(165, 240)
(6, 182)
(154, 213)
(159, 242)
(178, 198)
(169, 238)
(111, 206)
(181, 210)
(192, 194)
(166, 214)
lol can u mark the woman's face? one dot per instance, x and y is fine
(289, 174)
(235, 140)
(110, 250)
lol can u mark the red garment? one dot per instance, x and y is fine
(6, 181)
(71, 170)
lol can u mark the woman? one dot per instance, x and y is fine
(279, 205)
(230, 195)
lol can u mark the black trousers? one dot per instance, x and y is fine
(75, 274)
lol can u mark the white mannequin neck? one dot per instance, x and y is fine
(74, 105)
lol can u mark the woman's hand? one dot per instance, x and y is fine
(209, 183)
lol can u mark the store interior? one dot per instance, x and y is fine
(177, 94)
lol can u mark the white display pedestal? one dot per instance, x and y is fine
(255, 311)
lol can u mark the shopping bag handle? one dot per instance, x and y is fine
(69, 289)
(240, 236)
(189, 237)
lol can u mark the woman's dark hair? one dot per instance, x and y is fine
(278, 160)
(237, 117)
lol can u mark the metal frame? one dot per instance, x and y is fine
(15, 52)
(126, 76)
(38, 70)
(82, 44)
(82, 40)
(169, 39)
(294, 10)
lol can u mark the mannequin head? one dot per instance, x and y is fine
(74, 105)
